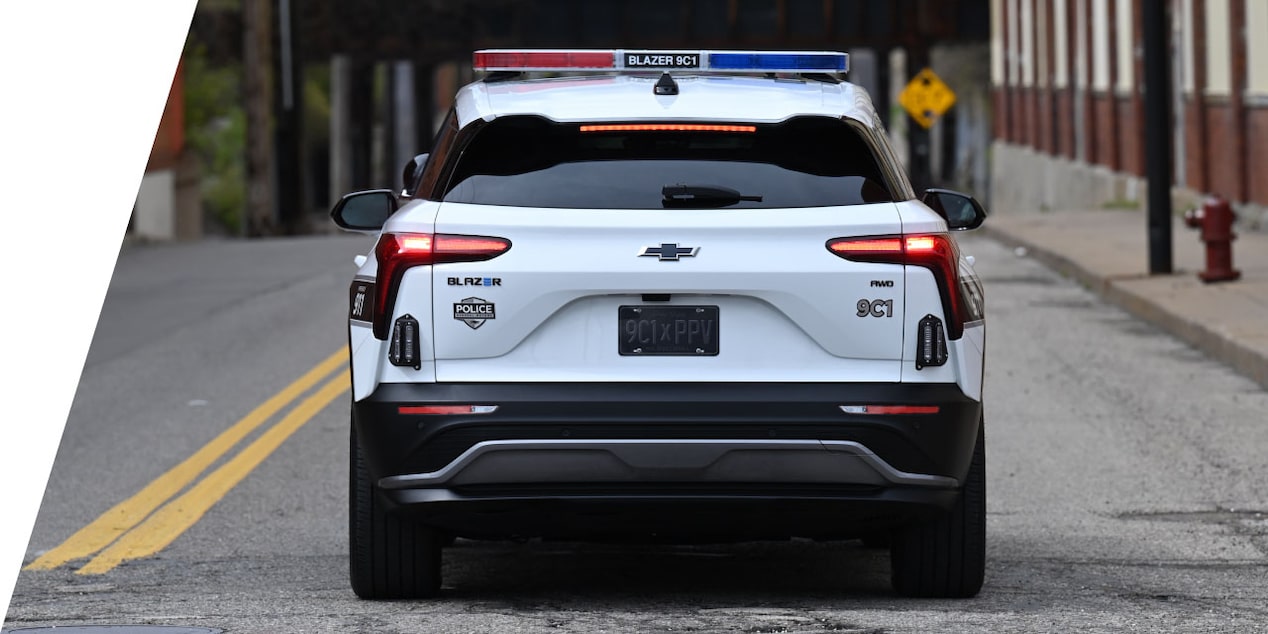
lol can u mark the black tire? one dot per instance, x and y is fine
(390, 557)
(947, 557)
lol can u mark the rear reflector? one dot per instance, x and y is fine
(434, 410)
(890, 409)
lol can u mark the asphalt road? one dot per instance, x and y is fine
(1126, 478)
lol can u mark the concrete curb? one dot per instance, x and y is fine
(1210, 340)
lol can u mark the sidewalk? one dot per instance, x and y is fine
(1107, 251)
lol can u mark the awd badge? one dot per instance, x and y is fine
(474, 311)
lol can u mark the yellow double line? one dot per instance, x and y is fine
(150, 520)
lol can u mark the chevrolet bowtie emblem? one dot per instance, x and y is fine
(669, 251)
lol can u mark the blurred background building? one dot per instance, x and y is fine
(281, 106)
(1069, 111)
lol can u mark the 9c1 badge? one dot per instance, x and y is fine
(876, 308)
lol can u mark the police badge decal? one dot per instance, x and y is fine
(474, 311)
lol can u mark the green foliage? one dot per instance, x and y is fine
(216, 130)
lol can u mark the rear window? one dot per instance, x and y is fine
(532, 162)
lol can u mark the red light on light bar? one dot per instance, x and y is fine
(525, 60)
(667, 127)
(433, 410)
(890, 409)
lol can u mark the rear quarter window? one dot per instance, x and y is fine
(532, 162)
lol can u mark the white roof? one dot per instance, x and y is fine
(631, 98)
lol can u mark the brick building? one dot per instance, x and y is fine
(1067, 83)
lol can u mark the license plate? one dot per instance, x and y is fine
(668, 330)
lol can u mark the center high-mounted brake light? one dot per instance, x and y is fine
(936, 252)
(590, 60)
(397, 252)
(667, 127)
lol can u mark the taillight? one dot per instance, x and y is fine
(936, 252)
(397, 252)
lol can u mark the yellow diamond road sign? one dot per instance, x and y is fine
(926, 98)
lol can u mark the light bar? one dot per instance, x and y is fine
(660, 60)
(667, 127)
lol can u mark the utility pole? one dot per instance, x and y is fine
(1158, 134)
(257, 61)
(292, 207)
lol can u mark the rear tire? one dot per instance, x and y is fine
(947, 557)
(390, 556)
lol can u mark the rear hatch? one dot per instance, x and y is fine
(667, 254)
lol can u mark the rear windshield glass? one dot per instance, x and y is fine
(531, 162)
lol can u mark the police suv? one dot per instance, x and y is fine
(664, 295)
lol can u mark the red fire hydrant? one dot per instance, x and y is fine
(1215, 219)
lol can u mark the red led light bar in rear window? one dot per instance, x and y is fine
(667, 127)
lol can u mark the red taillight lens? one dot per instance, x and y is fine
(866, 248)
(397, 252)
(936, 252)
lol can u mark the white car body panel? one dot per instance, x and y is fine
(779, 288)
(630, 98)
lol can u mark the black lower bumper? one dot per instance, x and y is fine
(400, 446)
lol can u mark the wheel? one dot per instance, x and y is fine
(947, 557)
(390, 556)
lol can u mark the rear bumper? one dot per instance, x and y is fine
(661, 462)
(782, 456)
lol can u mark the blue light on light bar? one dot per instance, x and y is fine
(780, 62)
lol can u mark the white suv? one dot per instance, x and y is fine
(668, 295)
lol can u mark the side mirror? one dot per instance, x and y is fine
(413, 169)
(364, 211)
(961, 211)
